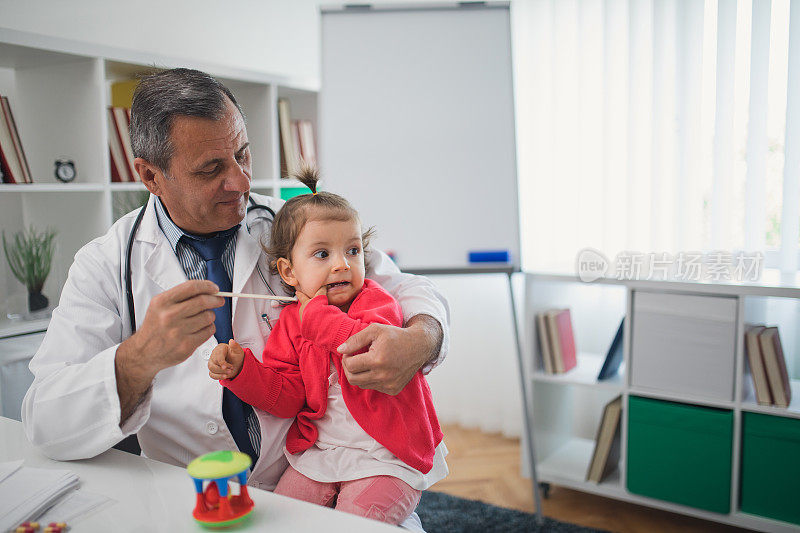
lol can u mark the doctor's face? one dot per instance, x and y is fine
(207, 185)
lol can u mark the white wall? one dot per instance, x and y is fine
(478, 384)
(275, 36)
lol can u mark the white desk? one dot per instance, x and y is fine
(155, 497)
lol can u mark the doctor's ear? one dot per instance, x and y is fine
(148, 172)
(286, 272)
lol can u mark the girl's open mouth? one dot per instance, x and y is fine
(338, 284)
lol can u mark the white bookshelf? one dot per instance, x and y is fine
(11, 328)
(24, 188)
(566, 409)
(793, 411)
(685, 398)
(568, 464)
(59, 91)
(585, 373)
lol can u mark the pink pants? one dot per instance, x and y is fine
(383, 498)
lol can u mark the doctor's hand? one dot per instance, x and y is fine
(394, 354)
(226, 361)
(177, 322)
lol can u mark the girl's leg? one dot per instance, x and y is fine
(297, 486)
(383, 498)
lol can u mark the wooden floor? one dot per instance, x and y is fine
(486, 467)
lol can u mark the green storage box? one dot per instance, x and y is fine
(680, 453)
(290, 192)
(771, 467)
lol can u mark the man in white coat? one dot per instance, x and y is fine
(101, 376)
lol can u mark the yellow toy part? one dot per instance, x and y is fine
(216, 465)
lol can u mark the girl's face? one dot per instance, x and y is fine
(327, 253)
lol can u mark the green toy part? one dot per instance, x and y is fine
(224, 523)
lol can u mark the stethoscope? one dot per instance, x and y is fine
(129, 250)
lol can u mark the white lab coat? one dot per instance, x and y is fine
(72, 409)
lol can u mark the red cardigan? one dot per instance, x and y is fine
(292, 381)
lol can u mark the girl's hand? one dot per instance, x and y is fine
(303, 298)
(226, 361)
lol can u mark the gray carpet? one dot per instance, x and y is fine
(442, 513)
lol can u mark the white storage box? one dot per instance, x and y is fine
(684, 344)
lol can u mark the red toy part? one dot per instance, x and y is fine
(218, 511)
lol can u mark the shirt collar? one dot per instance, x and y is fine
(171, 231)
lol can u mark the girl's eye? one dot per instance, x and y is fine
(321, 254)
(354, 251)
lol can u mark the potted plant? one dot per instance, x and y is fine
(30, 257)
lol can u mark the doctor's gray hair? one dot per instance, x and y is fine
(161, 97)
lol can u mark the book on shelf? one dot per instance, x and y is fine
(290, 158)
(308, 146)
(567, 355)
(298, 153)
(614, 355)
(12, 170)
(775, 366)
(14, 164)
(118, 162)
(120, 118)
(755, 361)
(12, 127)
(605, 457)
(5, 168)
(125, 131)
(544, 343)
(122, 93)
(556, 341)
(115, 175)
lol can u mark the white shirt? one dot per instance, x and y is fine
(344, 451)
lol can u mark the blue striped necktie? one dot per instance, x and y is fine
(234, 411)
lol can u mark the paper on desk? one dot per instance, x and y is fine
(27, 491)
(72, 506)
(6, 469)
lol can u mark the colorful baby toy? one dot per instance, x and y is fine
(216, 506)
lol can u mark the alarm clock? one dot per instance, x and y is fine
(65, 170)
